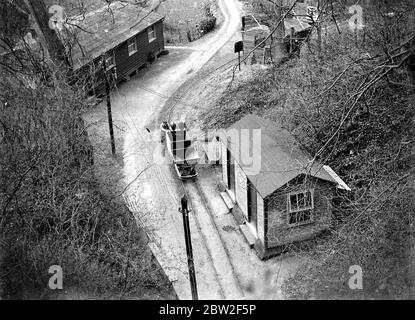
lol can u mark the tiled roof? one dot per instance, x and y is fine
(106, 28)
(281, 156)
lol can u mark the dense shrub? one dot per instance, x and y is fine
(53, 211)
(207, 24)
(340, 106)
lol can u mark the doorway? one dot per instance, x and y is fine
(252, 204)
(230, 166)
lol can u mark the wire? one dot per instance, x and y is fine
(178, 99)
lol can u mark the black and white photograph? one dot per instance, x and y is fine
(228, 151)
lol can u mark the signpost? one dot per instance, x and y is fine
(108, 94)
(239, 46)
(192, 276)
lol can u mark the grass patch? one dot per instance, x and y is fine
(183, 18)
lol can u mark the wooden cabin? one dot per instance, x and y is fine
(126, 35)
(286, 40)
(253, 37)
(253, 34)
(279, 198)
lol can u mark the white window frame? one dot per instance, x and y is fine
(300, 211)
(132, 46)
(312, 13)
(258, 39)
(151, 31)
(110, 60)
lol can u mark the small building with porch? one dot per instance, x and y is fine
(257, 41)
(265, 46)
(278, 196)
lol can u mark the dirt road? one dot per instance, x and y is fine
(154, 192)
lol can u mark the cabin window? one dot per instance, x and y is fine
(110, 60)
(258, 40)
(151, 34)
(300, 206)
(132, 46)
(312, 14)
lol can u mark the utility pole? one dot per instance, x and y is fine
(192, 276)
(318, 22)
(108, 94)
(292, 40)
(279, 50)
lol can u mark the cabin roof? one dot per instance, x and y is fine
(260, 28)
(282, 159)
(298, 21)
(106, 28)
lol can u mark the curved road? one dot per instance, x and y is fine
(154, 191)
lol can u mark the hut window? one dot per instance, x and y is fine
(300, 205)
(110, 61)
(132, 46)
(151, 34)
(258, 40)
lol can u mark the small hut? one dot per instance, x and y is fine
(270, 48)
(274, 192)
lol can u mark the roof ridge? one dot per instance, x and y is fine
(115, 5)
(282, 156)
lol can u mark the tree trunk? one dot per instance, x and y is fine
(280, 51)
(319, 29)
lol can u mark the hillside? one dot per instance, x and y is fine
(55, 211)
(349, 101)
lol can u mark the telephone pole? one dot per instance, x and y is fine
(318, 23)
(108, 94)
(279, 51)
(192, 276)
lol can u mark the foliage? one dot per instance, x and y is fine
(53, 211)
(207, 24)
(248, 95)
(372, 151)
(349, 101)
(183, 18)
(52, 208)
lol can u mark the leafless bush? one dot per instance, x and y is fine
(52, 211)
(349, 104)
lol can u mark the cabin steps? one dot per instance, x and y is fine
(228, 201)
(248, 235)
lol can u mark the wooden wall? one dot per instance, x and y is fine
(248, 37)
(127, 64)
(261, 219)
